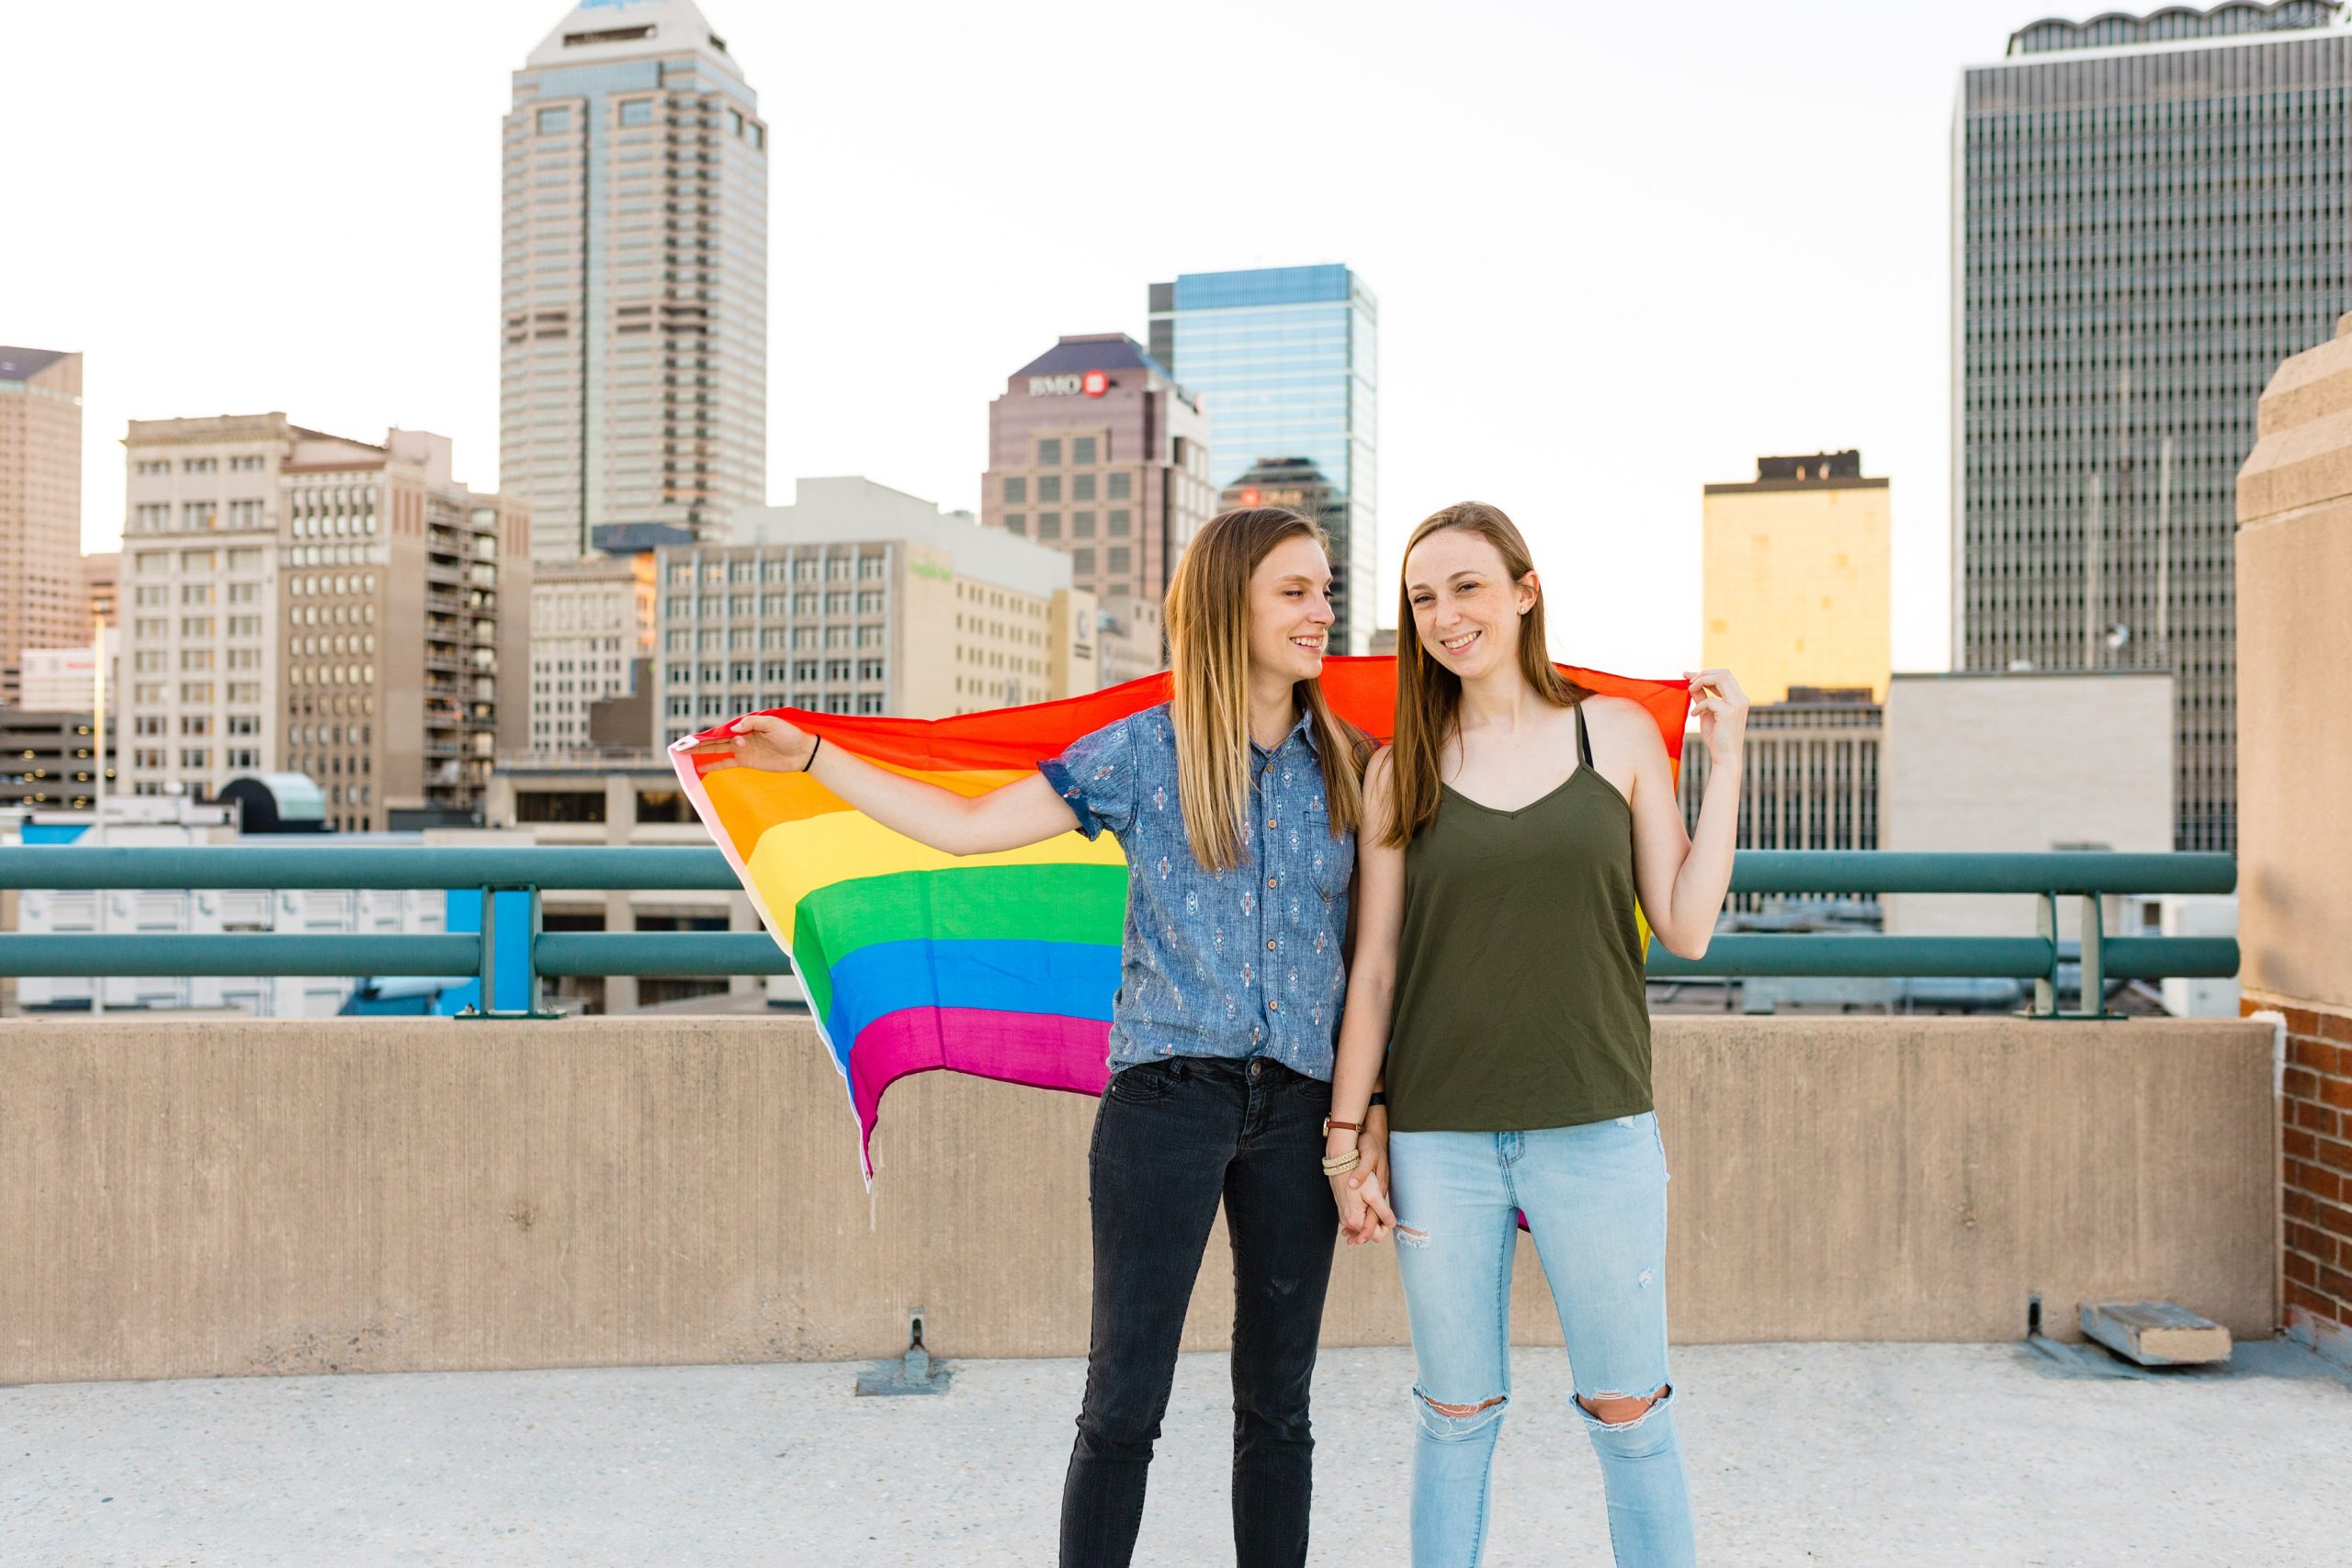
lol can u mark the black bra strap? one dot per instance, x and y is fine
(1584, 742)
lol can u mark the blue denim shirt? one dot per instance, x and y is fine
(1234, 964)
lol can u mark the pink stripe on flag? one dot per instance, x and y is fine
(1046, 1050)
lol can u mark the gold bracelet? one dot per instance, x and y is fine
(1343, 1164)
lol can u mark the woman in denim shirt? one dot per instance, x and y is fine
(1237, 806)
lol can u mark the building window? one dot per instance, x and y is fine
(870, 602)
(200, 465)
(804, 670)
(1049, 524)
(149, 466)
(1081, 485)
(1081, 562)
(1049, 452)
(553, 122)
(151, 517)
(869, 670)
(1121, 485)
(1119, 563)
(1082, 453)
(837, 604)
(1118, 522)
(836, 669)
(251, 462)
(198, 514)
(869, 568)
(1014, 523)
(637, 111)
(1081, 524)
(1049, 487)
(837, 570)
(869, 637)
(1017, 490)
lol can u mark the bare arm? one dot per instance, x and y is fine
(1682, 878)
(1379, 915)
(1025, 812)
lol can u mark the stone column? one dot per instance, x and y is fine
(2294, 762)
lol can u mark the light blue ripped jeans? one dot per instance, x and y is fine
(1595, 1198)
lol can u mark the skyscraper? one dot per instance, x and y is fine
(1285, 362)
(1093, 451)
(41, 602)
(633, 295)
(1796, 577)
(2150, 215)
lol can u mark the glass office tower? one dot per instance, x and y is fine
(1286, 364)
(2150, 214)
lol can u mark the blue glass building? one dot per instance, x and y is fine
(1285, 362)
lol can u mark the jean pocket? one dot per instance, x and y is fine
(1143, 1084)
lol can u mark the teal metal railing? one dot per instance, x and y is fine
(531, 870)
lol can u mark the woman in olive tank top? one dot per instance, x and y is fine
(1496, 995)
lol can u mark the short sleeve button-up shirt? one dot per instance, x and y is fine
(1234, 964)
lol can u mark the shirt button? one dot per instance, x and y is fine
(1269, 821)
(1270, 945)
(1272, 1005)
(1270, 882)
(1254, 1068)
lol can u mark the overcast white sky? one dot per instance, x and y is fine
(1620, 251)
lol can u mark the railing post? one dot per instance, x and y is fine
(489, 1003)
(2094, 1000)
(531, 957)
(2045, 987)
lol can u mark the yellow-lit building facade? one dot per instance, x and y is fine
(1797, 577)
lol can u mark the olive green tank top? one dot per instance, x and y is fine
(1520, 1001)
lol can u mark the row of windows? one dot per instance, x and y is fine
(744, 672)
(726, 707)
(711, 639)
(196, 725)
(1118, 486)
(774, 570)
(737, 606)
(634, 112)
(1082, 523)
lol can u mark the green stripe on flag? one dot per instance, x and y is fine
(995, 903)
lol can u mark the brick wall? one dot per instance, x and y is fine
(2315, 1134)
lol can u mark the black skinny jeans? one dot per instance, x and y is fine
(1172, 1138)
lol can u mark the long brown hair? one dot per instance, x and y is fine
(1208, 639)
(1428, 695)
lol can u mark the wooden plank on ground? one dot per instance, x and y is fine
(2155, 1334)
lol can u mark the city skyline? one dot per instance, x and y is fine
(1562, 334)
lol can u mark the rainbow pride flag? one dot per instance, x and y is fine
(1003, 965)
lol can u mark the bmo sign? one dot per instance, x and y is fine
(1093, 384)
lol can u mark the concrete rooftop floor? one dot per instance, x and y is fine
(1921, 1455)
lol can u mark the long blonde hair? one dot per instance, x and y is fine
(1428, 695)
(1208, 637)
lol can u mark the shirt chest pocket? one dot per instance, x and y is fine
(1325, 862)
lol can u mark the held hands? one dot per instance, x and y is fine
(760, 740)
(1362, 1193)
(1721, 708)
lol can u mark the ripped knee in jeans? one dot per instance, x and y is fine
(1623, 1412)
(1449, 1422)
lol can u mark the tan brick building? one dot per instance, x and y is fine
(306, 603)
(41, 601)
(862, 599)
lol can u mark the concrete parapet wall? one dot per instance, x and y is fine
(205, 1196)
